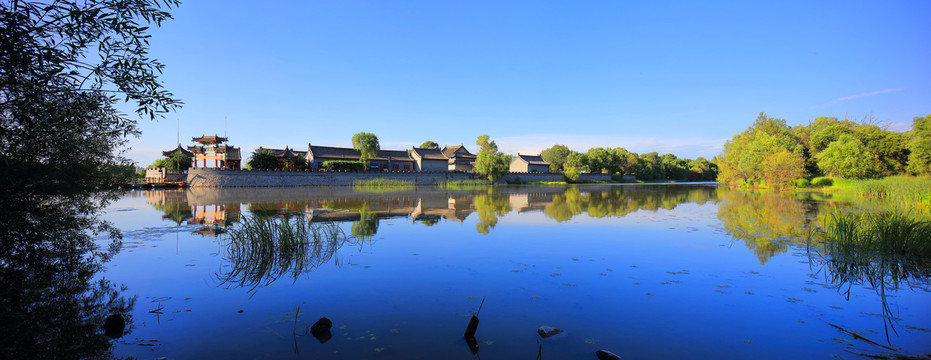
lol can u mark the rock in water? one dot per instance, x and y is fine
(321, 330)
(606, 355)
(114, 325)
(547, 331)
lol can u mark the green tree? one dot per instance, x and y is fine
(263, 159)
(64, 67)
(601, 160)
(178, 162)
(651, 167)
(429, 144)
(367, 146)
(489, 162)
(300, 163)
(847, 157)
(919, 161)
(782, 168)
(575, 165)
(556, 156)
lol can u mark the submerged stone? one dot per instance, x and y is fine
(114, 325)
(321, 330)
(606, 355)
(548, 331)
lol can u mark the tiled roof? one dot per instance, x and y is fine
(180, 149)
(533, 159)
(329, 152)
(429, 154)
(286, 152)
(457, 151)
(209, 138)
(395, 155)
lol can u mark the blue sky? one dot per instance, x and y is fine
(665, 76)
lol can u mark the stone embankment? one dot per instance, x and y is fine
(211, 177)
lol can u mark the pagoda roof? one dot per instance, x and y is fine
(179, 149)
(204, 139)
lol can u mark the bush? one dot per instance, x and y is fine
(822, 181)
(342, 165)
(802, 183)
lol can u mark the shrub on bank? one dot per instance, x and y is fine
(802, 183)
(342, 165)
(822, 181)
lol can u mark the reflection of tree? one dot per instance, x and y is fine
(620, 201)
(366, 226)
(845, 263)
(766, 222)
(489, 206)
(265, 248)
(50, 306)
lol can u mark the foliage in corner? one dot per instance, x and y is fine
(65, 66)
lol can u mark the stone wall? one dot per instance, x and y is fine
(212, 177)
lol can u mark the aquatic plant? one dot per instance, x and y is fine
(885, 250)
(263, 249)
(469, 184)
(383, 183)
(906, 191)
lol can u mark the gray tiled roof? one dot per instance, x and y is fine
(533, 159)
(429, 154)
(180, 149)
(457, 151)
(209, 138)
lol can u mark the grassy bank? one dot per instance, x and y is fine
(470, 184)
(862, 238)
(908, 192)
(380, 183)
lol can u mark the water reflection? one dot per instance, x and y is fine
(265, 248)
(52, 303)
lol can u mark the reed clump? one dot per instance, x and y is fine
(905, 191)
(469, 184)
(383, 183)
(866, 236)
(265, 248)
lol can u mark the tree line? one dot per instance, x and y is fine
(619, 162)
(774, 154)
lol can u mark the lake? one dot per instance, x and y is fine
(685, 271)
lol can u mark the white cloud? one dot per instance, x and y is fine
(860, 95)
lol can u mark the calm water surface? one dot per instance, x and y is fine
(645, 271)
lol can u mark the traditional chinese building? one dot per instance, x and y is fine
(529, 163)
(286, 158)
(459, 158)
(213, 152)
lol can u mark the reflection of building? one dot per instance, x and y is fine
(529, 163)
(213, 218)
(212, 152)
(527, 201)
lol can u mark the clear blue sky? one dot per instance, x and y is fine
(679, 77)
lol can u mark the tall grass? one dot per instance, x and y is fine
(884, 250)
(263, 249)
(907, 191)
(867, 236)
(383, 183)
(470, 184)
